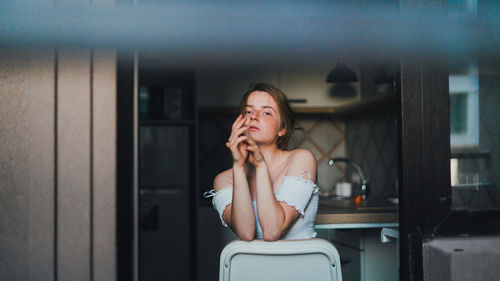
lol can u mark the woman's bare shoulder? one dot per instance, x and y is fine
(223, 179)
(301, 160)
(301, 154)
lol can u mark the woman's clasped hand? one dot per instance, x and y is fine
(243, 147)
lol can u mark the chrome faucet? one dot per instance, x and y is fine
(355, 165)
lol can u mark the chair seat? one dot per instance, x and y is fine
(290, 260)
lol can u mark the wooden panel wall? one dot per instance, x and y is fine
(104, 167)
(73, 162)
(27, 164)
(57, 164)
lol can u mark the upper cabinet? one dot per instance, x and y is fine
(306, 88)
(166, 95)
(381, 101)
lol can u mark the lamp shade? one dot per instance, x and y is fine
(341, 74)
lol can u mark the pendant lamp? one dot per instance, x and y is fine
(341, 74)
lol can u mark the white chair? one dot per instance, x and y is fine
(290, 260)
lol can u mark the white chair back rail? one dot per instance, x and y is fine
(290, 260)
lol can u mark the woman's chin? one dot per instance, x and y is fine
(263, 142)
(253, 133)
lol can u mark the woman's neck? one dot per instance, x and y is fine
(272, 155)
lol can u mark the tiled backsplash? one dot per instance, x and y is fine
(322, 135)
(371, 141)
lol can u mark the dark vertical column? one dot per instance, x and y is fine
(436, 142)
(411, 175)
(424, 145)
(124, 163)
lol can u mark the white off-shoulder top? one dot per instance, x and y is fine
(298, 192)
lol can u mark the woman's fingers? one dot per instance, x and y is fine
(238, 149)
(255, 157)
(242, 148)
(240, 132)
(251, 141)
(237, 132)
(235, 124)
(234, 144)
(237, 120)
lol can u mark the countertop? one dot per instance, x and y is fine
(344, 211)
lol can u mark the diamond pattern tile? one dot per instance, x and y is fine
(338, 151)
(328, 176)
(371, 141)
(306, 122)
(299, 136)
(388, 152)
(326, 135)
(311, 147)
(339, 125)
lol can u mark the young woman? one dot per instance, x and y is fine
(269, 193)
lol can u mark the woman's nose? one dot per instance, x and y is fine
(254, 115)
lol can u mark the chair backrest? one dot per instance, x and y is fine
(290, 260)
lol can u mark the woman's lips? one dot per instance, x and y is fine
(253, 128)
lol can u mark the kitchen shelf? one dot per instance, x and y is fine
(471, 155)
(351, 108)
(162, 189)
(165, 122)
(472, 185)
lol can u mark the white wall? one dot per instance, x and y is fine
(226, 87)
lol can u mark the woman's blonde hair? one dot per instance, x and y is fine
(287, 116)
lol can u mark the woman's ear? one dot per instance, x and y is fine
(281, 132)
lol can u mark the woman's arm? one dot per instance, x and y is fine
(277, 217)
(239, 214)
(243, 221)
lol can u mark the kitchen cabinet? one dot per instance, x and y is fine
(382, 101)
(363, 256)
(355, 229)
(164, 235)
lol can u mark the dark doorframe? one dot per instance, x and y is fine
(424, 157)
(125, 165)
(424, 144)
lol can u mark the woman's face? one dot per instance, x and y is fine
(263, 118)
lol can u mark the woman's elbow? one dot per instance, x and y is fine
(246, 236)
(271, 236)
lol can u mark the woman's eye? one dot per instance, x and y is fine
(267, 113)
(248, 112)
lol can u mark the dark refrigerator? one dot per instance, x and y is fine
(167, 176)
